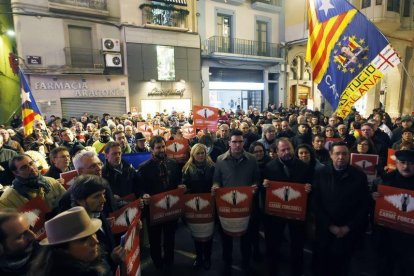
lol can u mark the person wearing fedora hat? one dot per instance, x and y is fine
(140, 143)
(395, 248)
(71, 246)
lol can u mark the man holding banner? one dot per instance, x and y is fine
(287, 168)
(236, 168)
(158, 175)
(395, 248)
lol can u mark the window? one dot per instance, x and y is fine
(393, 5)
(80, 45)
(365, 4)
(165, 63)
(406, 8)
(224, 33)
(261, 37)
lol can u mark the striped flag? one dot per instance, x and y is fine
(347, 53)
(30, 111)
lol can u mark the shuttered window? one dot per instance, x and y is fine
(95, 106)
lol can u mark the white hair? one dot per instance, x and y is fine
(78, 158)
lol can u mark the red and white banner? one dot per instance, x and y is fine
(133, 250)
(330, 141)
(166, 206)
(159, 131)
(35, 211)
(178, 150)
(233, 207)
(188, 131)
(122, 218)
(199, 215)
(286, 200)
(68, 177)
(395, 209)
(391, 160)
(205, 117)
(366, 162)
(145, 128)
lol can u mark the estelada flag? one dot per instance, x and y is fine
(178, 150)
(30, 111)
(391, 160)
(166, 206)
(366, 162)
(286, 200)
(68, 177)
(145, 128)
(188, 131)
(121, 219)
(395, 209)
(35, 211)
(233, 208)
(133, 250)
(205, 117)
(347, 53)
(199, 215)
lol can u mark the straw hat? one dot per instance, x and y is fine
(70, 225)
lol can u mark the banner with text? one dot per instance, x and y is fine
(199, 215)
(166, 206)
(121, 219)
(188, 131)
(68, 177)
(35, 211)
(233, 208)
(395, 209)
(133, 250)
(286, 200)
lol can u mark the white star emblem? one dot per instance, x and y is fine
(25, 96)
(326, 6)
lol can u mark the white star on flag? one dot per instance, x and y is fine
(25, 96)
(326, 6)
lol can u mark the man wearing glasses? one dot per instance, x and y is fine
(395, 252)
(28, 184)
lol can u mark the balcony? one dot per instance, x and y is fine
(97, 8)
(83, 60)
(219, 45)
(267, 5)
(164, 17)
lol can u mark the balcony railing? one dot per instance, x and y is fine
(220, 44)
(269, 2)
(92, 7)
(159, 15)
(83, 58)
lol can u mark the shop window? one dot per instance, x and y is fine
(165, 63)
(393, 5)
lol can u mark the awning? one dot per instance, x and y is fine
(174, 2)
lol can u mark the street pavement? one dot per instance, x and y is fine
(362, 264)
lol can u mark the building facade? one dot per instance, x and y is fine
(242, 52)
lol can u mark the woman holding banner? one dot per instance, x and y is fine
(198, 177)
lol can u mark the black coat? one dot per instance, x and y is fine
(149, 176)
(122, 182)
(199, 180)
(298, 171)
(341, 200)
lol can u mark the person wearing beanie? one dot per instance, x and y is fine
(104, 138)
(395, 247)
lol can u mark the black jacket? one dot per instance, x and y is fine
(122, 182)
(199, 180)
(149, 176)
(340, 199)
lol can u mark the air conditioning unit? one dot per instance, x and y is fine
(111, 45)
(113, 60)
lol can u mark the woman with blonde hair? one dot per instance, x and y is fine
(198, 177)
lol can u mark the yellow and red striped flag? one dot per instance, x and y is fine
(30, 111)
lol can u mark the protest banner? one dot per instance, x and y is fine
(178, 150)
(199, 215)
(366, 162)
(68, 177)
(205, 117)
(188, 131)
(121, 219)
(35, 211)
(133, 250)
(166, 206)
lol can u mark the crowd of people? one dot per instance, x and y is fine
(249, 148)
